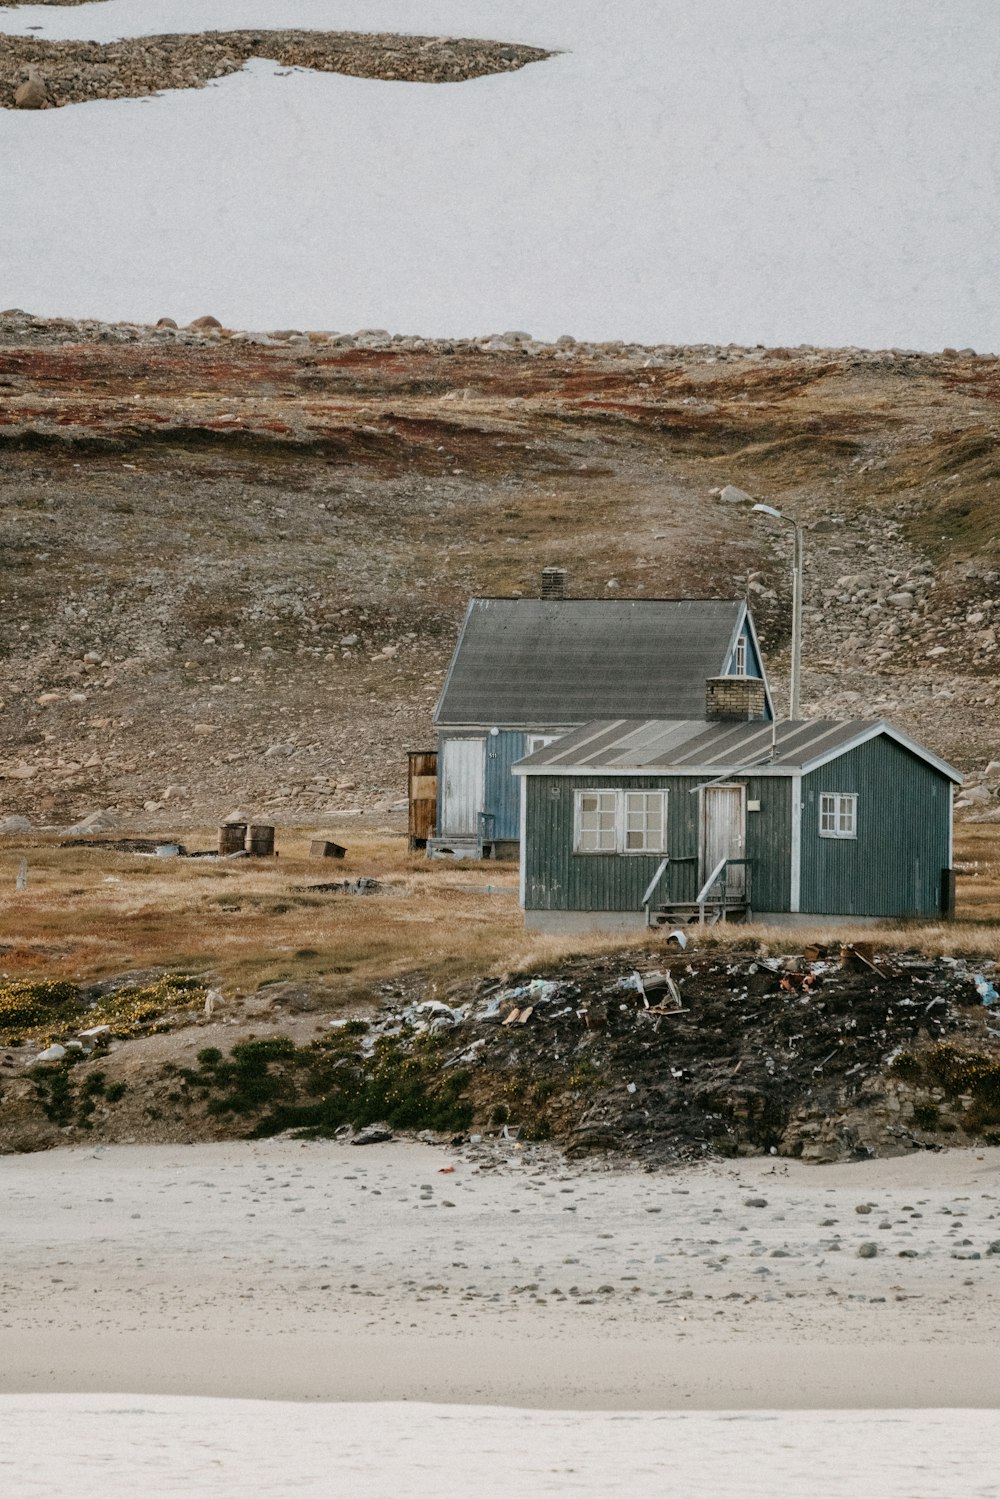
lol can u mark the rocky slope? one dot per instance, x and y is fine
(234, 563)
(39, 74)
(658, 1054)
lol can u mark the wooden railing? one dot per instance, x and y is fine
(719, 875)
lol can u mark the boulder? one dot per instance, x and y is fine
(15, 825)
(373, 1134)
(31, 95)
(53, 1053)
(97, 822)
(730, 495)
(205, 322)
(166, 322)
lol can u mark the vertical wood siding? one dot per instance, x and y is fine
(557, 879)
(893, 867)
(460, 785)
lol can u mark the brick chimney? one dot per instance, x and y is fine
(734, 699)
(554, 582)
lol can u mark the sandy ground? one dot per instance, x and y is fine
(290, 1271)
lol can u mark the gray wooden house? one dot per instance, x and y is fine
(634, 823)
(526, 671)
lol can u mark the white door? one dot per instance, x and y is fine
(723, 833)
(462, 792)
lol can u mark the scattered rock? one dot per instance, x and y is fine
(867, 1251)
(53, 1053)
(755, 1202)
(730, 495)
(78, 71)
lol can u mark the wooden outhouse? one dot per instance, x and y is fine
(635, 823)
(526, 671)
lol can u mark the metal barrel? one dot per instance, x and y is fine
(261, 844)
(232, 838)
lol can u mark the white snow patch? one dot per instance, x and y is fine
(748, 170)
(106, 1446)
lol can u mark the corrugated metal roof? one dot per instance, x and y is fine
(714, 749)
(566, 661)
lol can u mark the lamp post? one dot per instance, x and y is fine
(797, 580)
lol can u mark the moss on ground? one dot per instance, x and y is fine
(39, 1012)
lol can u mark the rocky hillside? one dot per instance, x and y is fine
(234, 563)
(656, 1054)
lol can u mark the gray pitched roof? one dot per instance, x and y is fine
(552, 662)
(704, 748)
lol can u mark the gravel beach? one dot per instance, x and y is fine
(502, 1275)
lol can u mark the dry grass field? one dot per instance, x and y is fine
(89, 913)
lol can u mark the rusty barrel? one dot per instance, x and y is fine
(232, 838)
(261, 841)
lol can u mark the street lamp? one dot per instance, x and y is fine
(793, 705)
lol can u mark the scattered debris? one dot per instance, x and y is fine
(361, 886)
(125, 845)
(325, 848)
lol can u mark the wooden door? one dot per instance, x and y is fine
(723, 833)
(462, 793)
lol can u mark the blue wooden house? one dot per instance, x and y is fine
(635, 823)
(526, 671)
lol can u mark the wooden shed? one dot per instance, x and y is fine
(421, 793)
(635, 823)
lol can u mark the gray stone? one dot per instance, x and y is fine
(976, 794)
(867, 1251)
(97, 822)
(731, 495)
(15, 825)
(755, 1202)
(373, 1134)
(31, 95)
(53, 1053)
(900, 600)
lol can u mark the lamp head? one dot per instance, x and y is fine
(769, 510)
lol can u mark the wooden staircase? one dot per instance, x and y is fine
(725, 896)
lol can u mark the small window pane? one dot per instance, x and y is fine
(598, 831)
(644, 811)
(838, 815)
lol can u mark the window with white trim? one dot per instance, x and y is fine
(620, 822)
(838, 815)
(644, 819)
(740, 667)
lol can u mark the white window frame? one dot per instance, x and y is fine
(579, 832)
(740, 658)
(841, 807)
(533, 742)
(622, 812)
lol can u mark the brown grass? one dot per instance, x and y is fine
(90, 913)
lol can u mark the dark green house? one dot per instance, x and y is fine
(638, 822)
